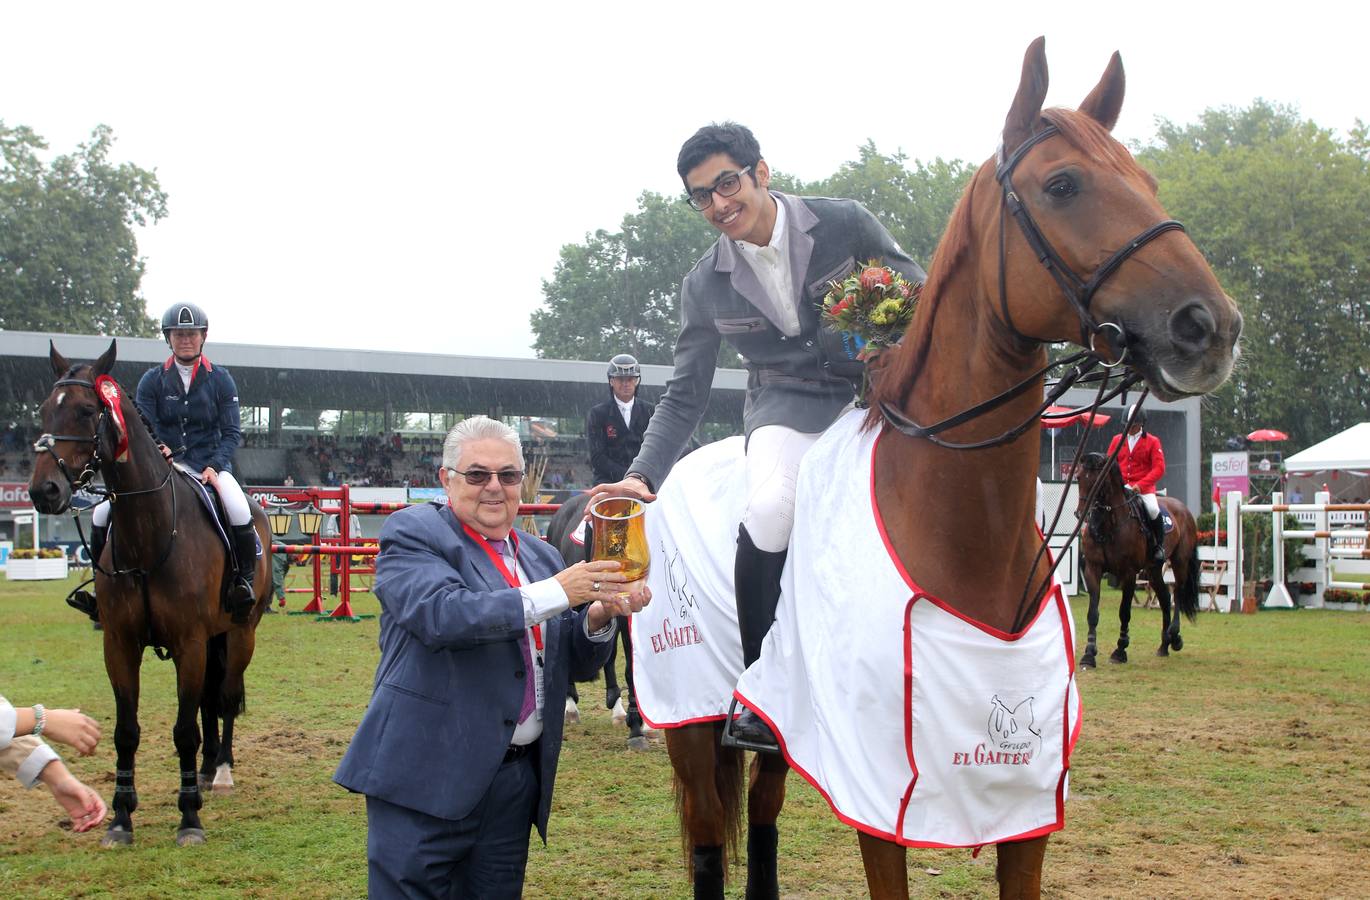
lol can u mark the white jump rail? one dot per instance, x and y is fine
(1321, 554)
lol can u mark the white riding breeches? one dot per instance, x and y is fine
(234, 500)
(1153, 506)
(773, 456)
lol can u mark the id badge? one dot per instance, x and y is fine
(539, 686)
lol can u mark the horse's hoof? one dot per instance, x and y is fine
(223, 780)
(190, 837)
(572, 712)
(117, 836)
(1088, 661)
(639, 743)
(1177, 643)
(1118, 656)
(1163, 651)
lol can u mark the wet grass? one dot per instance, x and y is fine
(1233, 768)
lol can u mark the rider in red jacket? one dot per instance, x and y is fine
(1142, 463)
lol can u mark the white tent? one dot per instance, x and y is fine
(1348, 450)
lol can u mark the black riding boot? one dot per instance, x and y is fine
(1158, 536)
(756, 579)
(708, 866)
(84, 601)
(241, 596)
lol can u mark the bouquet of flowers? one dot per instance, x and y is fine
(874, 304)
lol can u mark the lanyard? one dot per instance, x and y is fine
(510, 576)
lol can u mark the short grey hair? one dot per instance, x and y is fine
(477, 428)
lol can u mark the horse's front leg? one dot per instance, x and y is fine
(1163, 594)
(123, 660)
(1019, 869)
(765, 797)
(1092, 576)
(886, 865)
(209, 710)
(612, 692)
(1124, 619)
(190, 682)
(637, 740)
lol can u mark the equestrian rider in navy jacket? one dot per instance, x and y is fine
(193, 407)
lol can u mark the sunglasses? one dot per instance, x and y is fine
(506, 477)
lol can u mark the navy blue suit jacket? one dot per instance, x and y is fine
(450, 682)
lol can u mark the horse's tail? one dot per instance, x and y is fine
(214, 697)
(730, 783)
(1187, 593)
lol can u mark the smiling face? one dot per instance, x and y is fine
(748, 215)
(489, 508)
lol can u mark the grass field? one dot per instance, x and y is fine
(1233, 769)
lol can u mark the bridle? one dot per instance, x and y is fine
(1078, 291)
(47, 443)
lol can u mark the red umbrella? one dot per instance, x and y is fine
(1267, 434)
(1062, 416)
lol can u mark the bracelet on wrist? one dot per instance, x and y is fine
(40, 718)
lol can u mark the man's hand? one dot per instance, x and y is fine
(603, 611)
(588, 581)
(629, 487)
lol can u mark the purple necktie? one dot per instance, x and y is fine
(529, 691)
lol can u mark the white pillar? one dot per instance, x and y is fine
(1234, 543)
(1279, 594)
(1323, 564)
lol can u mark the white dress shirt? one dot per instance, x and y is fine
(771, 264)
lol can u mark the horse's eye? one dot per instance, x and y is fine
(86, 412)
(1062, 187)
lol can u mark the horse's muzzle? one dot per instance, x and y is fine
(49, 497)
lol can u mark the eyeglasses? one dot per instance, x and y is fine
(506, 477)
(727, 184)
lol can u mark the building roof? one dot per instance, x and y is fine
(355, 379)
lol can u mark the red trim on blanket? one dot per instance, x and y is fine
(920, 593)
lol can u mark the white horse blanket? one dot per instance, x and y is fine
(916, 724)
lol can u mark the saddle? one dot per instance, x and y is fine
(1138, 510)
(213, 504)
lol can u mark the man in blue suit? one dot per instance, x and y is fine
(481, 631)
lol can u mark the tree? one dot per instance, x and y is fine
(1281, 209)
(68, 253)
(620, 292)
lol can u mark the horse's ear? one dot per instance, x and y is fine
(106, 360)
(1106, 100)
(59, 362)
(1027, 104)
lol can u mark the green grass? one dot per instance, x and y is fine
(1233, 768)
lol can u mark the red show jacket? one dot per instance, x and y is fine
(1143, 465)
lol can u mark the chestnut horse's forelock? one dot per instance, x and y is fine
(1085, 135)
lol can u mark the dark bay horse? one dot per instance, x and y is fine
(160, 582)
(1060, 238)
(1114, 541)
(560, 529)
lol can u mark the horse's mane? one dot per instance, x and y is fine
(1083, 133)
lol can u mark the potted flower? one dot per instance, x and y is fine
(34, 565)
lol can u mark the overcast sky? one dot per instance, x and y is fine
(401, 176)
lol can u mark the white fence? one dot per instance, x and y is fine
(1343, 547)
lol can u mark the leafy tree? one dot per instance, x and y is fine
(68, 254)
(1281, 209)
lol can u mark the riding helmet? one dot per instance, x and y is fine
(184, 315)
(1139, 412)
(624, 365)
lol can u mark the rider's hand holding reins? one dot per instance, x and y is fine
(631, 486)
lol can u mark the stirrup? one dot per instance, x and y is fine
(84, 602)
(731, 739)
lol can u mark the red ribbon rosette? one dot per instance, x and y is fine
(111, 396)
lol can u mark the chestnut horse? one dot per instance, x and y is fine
(1114, 541)
(1060, 238)
(159, 582)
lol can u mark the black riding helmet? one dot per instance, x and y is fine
(1136, 414)
(625, 365)
(183, 315)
